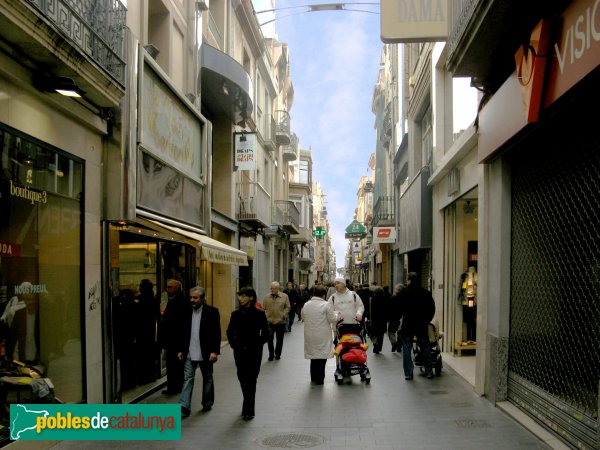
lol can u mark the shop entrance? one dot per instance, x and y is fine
(145, 263)
(461, 278)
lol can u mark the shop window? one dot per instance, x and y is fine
(40, 261)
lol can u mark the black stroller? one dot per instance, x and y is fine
(351, 353)
(435, 350)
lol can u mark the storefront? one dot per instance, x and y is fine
(461, 255)
(41, 199)
(143, 257)
(542, 171)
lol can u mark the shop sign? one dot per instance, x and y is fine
(577, 48)
(28, 194)
(384, 234)
(414, 21)
(319, 267)
(355, 230)
(245, 151)
(9, 249)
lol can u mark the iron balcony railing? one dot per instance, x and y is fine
(97, 27)
(383, 212)
(459, 15)
(282, 118)
(286, 214)
(290, 152)
(254, 204)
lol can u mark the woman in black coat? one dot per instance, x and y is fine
(247, 332)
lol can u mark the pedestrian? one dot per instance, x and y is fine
(277, 308)
(417, 309)
(170, 332)
(378, 318)
(304, 297)
(294, 298)
(247, 333)
(148, 307)
(393, 309)
(318, 315)
(199, 347)
(346, 301)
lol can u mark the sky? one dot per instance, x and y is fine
(334, 58)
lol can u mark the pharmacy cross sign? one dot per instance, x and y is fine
(319, 232)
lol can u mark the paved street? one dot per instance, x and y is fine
(390, 413)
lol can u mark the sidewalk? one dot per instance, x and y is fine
(390, 413)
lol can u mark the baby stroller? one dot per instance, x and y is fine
(435, 350)
(351, 353)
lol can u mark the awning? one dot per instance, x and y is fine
(211, 249)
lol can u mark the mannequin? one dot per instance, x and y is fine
(469, 296)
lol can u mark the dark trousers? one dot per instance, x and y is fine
(174, 371)
(291, 317)
(317, 370)
(277, 331)
(248, 368)
(470, 319)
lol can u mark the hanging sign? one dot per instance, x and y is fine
(384, 234)
(355, 230)
(245, 151)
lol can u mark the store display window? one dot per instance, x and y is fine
(40, 262)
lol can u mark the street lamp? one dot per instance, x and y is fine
(318, 7)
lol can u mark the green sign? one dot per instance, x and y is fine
(355, 230)
(356, 227)
(319, 232)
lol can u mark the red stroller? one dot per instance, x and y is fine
(351, 353)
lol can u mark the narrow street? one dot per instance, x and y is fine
(390, 413)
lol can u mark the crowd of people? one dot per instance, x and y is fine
(403, 315)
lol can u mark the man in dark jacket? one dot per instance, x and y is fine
(200, 346)
(294, 298)
(170, 330)
(417, 308)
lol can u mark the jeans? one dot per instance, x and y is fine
(407, 358)
(208, 386)
(291, 317)
(277, 331)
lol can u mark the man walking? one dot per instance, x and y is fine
(347, 301)
(417, 308)
(277, 307)
(294, 298)
(169, 331)
(199, 347)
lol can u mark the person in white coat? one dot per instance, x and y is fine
(347, 301)
(318, 316)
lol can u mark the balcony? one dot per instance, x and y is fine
(254, 205)
(269, 135)
(227, 89)
(290, 152)
(304, 236)
(383, 212)
(283, 127)
(97, 28)
(485, 34)
(84, 41)
(286, 214)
